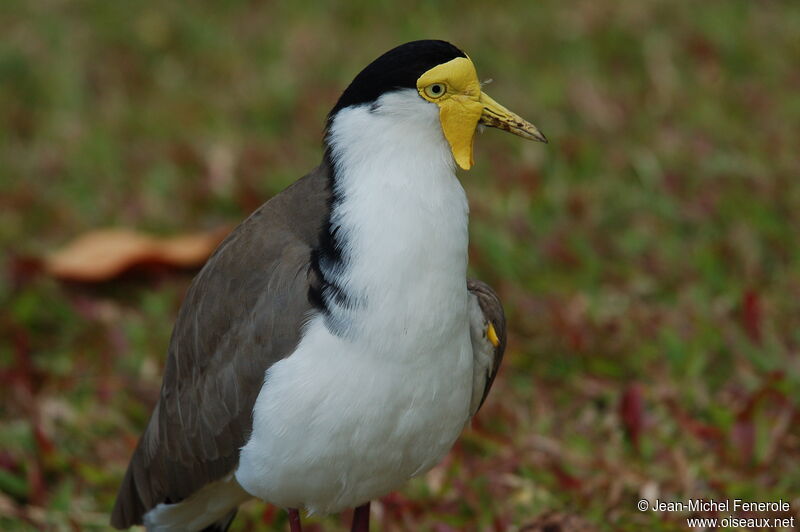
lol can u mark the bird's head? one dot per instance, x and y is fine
(444, 76)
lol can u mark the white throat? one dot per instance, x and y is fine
(401, 217)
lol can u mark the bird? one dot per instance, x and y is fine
(332, 346)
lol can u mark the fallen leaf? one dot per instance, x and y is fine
(104, 254)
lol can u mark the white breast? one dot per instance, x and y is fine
(354, 413)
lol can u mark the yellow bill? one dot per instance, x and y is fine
(495, 115)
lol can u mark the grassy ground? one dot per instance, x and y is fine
(647, 257)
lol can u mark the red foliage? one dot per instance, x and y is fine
(632, 412)
(690, 425)
(269, 513)
(752, 315)
(565, 480)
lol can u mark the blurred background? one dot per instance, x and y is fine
(648, 256)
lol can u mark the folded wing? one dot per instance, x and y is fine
(243, 312)
(485, 310)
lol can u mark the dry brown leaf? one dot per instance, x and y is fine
(106, 253)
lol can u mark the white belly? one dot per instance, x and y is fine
(335, 426)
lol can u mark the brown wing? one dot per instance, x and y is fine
(493, 313)
(242, 313)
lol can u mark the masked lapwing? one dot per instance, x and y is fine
(332, 347)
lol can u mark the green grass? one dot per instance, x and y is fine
(649, 251)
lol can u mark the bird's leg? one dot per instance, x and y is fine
(294, 520)
(361, 519)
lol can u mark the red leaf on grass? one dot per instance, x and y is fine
(699, 429)
(21, 372)
(500, 523)
(21, 269)
(767, 400)
(397, 505)
(631, 411)
(37, 492)
(269, 514)
(752, 315)
(43, 442)
(743, 435)
(104, 254)
(565, 480)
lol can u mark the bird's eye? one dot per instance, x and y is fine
(435, 90)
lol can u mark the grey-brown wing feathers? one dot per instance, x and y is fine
(487, 356)
(243, 312)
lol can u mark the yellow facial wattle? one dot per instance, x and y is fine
(459, 106)
(455, 88)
